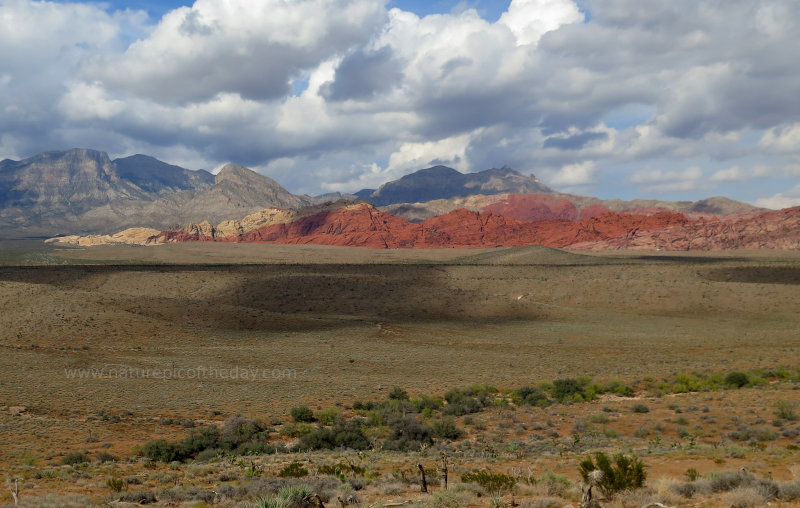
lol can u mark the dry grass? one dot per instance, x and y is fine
(337, 325)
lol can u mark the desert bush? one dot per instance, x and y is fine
(619, 388)
(493, 483)
(116, 484)
(200, 439)
(736, 379)
(162, 450)
(342, 470)
(328, 416)
(446, 429)
(356, 482)
(729, 480)
(531, 396)
(141, 497)
(789, 491)
(746, 433)
(424, 402)
(398, 393)
(342, 435)
(640, 408)
(296, 429)
(623, 474)
(461, 402)
(568, 389)
(107, 457)
(408, 434)
(259, 448)
(235, 431)
(744, 497)
(74, 458)
(599, 418)
(290, 496)
(302, 414)
(293, 470)
(179, 495)
(786, 409)
(555, 484)
(444, 499)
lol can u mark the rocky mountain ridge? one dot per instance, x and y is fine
(362, 225)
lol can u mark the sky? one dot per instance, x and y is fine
(677, 100)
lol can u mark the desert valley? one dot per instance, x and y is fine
(449, 339)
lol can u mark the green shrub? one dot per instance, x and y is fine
(200, 439)
(625, 473)
(619, 388)
(531, 396)
(342, 435)
(737, 379)
(444, 499)
(235, 431)
(398, 393)
(116, 484)
(162, 450)
(328, 416)
(786, 409)
(640, 408)
(342, 470)
(74, 458)
(493, 483)
(566, 390)
(427, 402)
(293, 470)
(446, 429)
(107, 457)
(408, 434)
(296, 429)
(302, 414)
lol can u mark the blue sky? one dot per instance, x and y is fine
(488, 9)
(677, 100)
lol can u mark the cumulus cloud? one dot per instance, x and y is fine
(238, 46)
(573, 175)
(658, 181)
(343, 94)
(781, 200)
(530, 19)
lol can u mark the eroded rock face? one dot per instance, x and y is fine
(362, 225)
(771, 230)
(131, 236)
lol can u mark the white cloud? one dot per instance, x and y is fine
(530, 19)
(782, 139)
(685, 82)
(657, 181)
(737, 174)
(574, 175)
(781, 200)
(239, 46)
(84, 101)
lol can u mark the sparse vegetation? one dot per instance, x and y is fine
(624, 473)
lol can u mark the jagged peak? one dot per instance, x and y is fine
(239, 174)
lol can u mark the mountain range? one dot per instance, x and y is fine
(82, 196)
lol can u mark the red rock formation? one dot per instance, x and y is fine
(535, 207)
(361, 225)
(771, 230)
